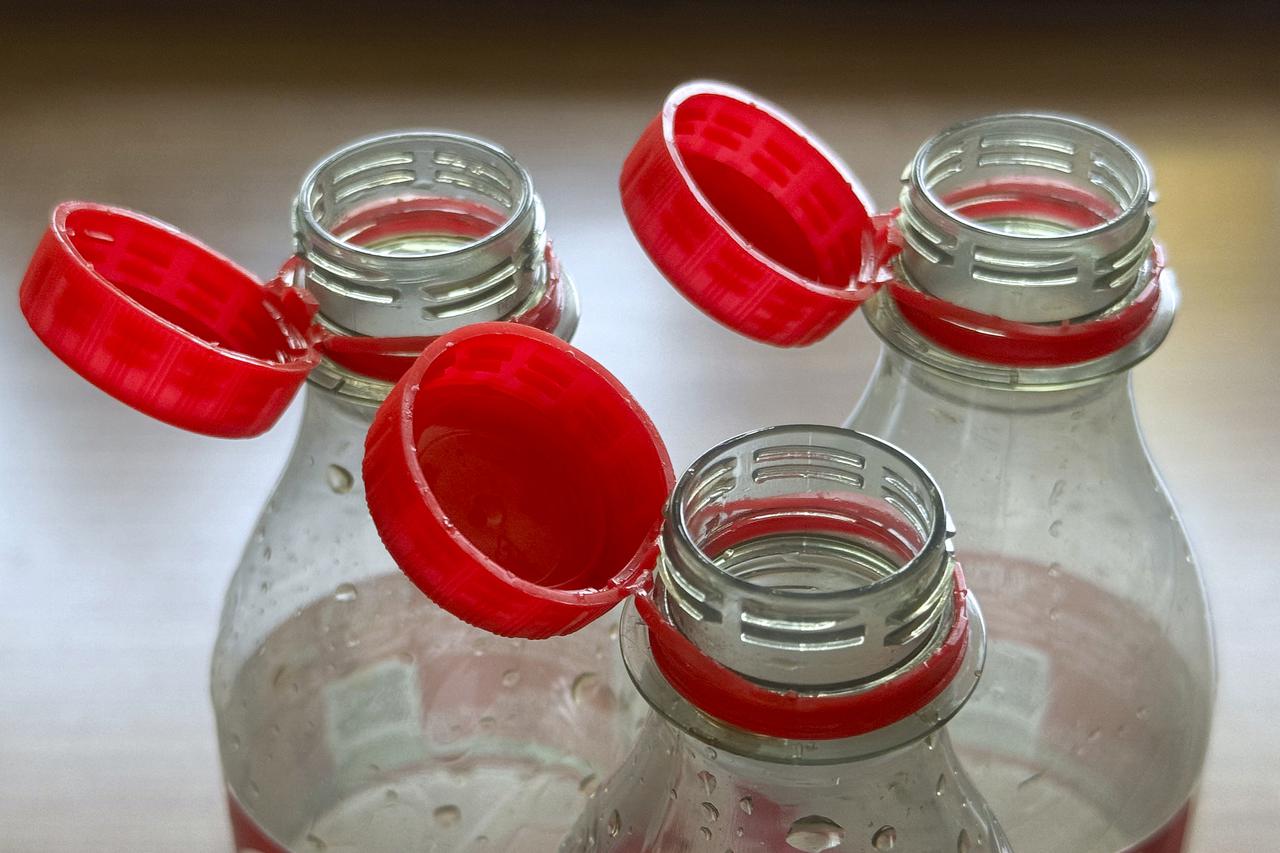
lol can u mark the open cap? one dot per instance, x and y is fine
(750, 216)
(166, 324)
(516, 482)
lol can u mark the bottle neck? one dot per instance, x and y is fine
(807, 580)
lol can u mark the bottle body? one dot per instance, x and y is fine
(355, 714)
(1093, 715)
(680, 793)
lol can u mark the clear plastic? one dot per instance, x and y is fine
(355, 714)
(816, 563)
(1090, 727)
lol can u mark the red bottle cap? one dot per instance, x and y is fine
(164, 323)
(750, 216)
(516, 482)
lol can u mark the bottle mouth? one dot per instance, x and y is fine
(1030, 218)
(807, 558)
(418, 233)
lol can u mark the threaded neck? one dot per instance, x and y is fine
(418, 233)
(1032, 218)
(808, 558)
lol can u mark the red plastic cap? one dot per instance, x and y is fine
(166, 324)
(749, 216)
(516, 482)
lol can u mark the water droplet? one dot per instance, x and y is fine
(710, 812)
(510, 678)
(316, 842)
(482, 840)
(1055, 494)
(708, 782)
(1055, 569)
(710, 753)
(614, 826)
(1055, 529)
(739, 832)
(405, 657)
(929, 740)
(447, 816)
(487, 723)
(673, 793)
(1143, 713)
(745, 805)
(583, 686)
(339, 479)
(886, 838)
(814, 834)
(392, 795)
(962, 842)
(1094, 735)
(254, 790)
(589, 784)
(705, 833)
(613, 632)
(345, 592)
(1054, 614)
(266, 554)
(942, 784)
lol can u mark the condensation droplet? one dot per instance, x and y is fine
(316, 842)
(886, 838)
(1054, 614)
(392, 795)
(583, 685)
(1143, 713)
(487, 723)
(710, 812)
(942, 784)
(708, 782)
(614, 826)
(339, 479)
(447, 816)
(710, 753)
(235, 743)
(1094, 735)
(1055, 569)
(929, 740)
(739, 832)
(814, 834)
(1055, 494)
(745, 805)
(345, 592)
(705, 833)
(1055, 529)
(510, 678)
(962, 842)
(589, 784)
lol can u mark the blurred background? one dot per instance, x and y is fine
(118, 534)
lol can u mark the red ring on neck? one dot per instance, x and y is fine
(993, 339)
(724, 694)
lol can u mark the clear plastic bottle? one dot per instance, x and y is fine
(1014, 291)
(805, 642)
(1089, 730)
(353, 713)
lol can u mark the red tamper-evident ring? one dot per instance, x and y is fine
(749, 216)
(516, 482)
(165, 324)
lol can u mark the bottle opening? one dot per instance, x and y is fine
(1030, 218)
(416, 233)
(807, 558)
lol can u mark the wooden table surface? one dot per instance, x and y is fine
(117, 534)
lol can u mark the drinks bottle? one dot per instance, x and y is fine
(353, 713)
(1014, 290)
(804, 644)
